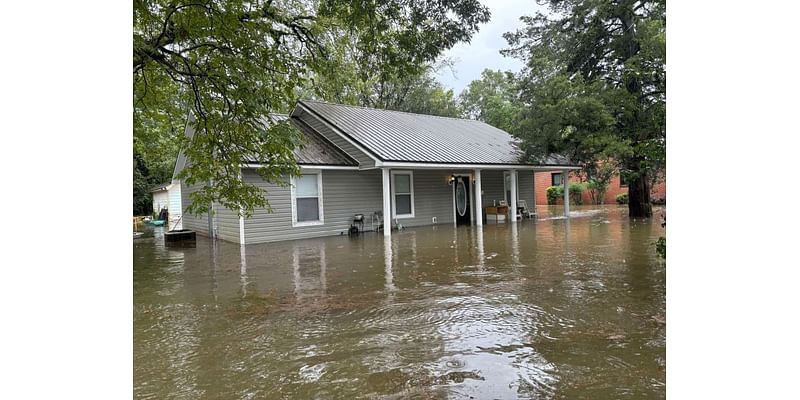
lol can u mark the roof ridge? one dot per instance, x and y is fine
(387, 110)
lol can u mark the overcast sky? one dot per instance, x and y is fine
(484, 50)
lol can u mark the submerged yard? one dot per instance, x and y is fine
(552, 308)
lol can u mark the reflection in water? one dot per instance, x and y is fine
(309, 269)
(243, 269)
(388, 258)
(559, 308)
(481, 256)
(515, 244)
(214, 267)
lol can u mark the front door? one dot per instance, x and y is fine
(462, 200)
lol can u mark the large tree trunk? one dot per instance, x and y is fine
(639, 198)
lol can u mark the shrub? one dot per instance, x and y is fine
(597, 190)
(622, 198)
(576, 192)
(554, 193)
(661, 247)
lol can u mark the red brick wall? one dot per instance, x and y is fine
(543, 180)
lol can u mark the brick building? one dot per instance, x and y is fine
(543, 180)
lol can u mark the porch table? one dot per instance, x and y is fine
(496, 211)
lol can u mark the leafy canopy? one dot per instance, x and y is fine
(594, 86)
(494, 99)
(231, 63)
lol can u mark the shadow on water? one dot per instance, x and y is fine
(552, 308)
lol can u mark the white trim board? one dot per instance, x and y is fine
(412, 165)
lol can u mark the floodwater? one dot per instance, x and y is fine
(552, 308)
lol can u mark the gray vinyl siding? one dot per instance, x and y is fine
(492, 185)
(525, 189)
(433, 197)
(344, 194)
(493, 189)
(364, 160)
(197, 223)
(226, 222)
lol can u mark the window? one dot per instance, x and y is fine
(307, 199)
(622, 181)
(556, 177)
(403, 194)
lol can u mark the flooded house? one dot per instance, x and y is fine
(365, 169)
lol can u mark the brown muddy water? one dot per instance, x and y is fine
(541, 309)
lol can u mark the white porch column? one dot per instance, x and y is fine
(565, 180)
(387, 205)
(513, 206)
(478, 201)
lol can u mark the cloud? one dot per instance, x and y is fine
(484, 50)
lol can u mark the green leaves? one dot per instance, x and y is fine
(493, 99)
(230, 63)
(594, 87)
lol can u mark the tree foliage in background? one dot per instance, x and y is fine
(382, 52)
(594, 86)
(233, 62)
(493, 99)
(599, 177)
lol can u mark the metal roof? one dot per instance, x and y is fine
(316, 150)
(406, 137)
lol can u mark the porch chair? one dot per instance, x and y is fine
(526, 212)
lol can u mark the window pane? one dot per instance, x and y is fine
(306, 185)
(308, 209)
(402, 184)
(402, 204)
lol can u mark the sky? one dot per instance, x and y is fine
(484, 50)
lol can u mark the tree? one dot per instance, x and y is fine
(493, 99)
(599, 178)
(232, 62)
(426, 95)
(417, 91)
(595, 86)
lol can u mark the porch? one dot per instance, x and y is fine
(471, 196)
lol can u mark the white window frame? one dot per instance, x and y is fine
(507, 189)
(321, 220)
(394, 198)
